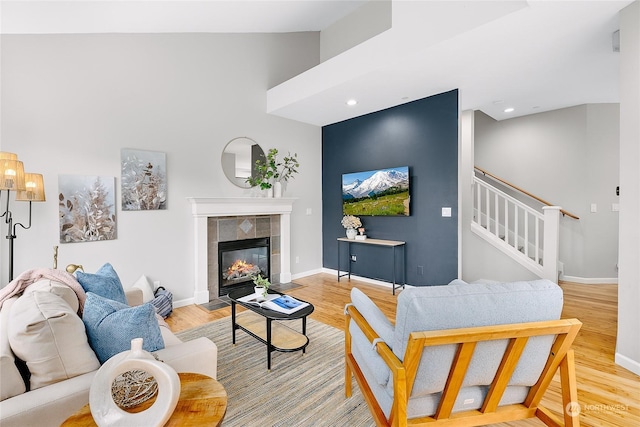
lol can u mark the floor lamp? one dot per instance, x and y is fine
(29, 187)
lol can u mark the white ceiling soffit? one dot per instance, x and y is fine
(532, 56)
(177, 16)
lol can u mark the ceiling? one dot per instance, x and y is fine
(532, 56)
(170, 16)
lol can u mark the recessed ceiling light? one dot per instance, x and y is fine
(509, 110)
(351, 102)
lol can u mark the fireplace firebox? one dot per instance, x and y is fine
(240, 260)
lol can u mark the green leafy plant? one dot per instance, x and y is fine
(271, 170)
(262, 282)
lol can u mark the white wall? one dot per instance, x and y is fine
(479, 259)
(568, 157)
(71, 102)
(628, 344)
(366, 21)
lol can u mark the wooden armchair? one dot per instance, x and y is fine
(391, 403)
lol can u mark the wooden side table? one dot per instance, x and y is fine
(203, 401)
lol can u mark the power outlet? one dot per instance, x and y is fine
(353, 258)
(420, 270)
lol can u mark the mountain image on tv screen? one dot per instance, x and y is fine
(376, 192)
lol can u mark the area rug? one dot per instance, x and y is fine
(300, 390)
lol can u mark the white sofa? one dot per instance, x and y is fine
(51, 404)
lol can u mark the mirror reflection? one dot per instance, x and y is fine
(239, 158)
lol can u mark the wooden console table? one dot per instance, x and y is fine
(203, 401)
(394, 244)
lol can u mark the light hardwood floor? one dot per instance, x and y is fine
(609, 395)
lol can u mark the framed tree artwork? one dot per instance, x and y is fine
(143, 180)
(87, 208)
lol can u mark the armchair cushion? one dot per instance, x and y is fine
(452, 307)
(111, 326)
(363, 350)
(374, 316)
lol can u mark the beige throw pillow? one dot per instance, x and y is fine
(12, 382)
(58, 288)
(49, 336)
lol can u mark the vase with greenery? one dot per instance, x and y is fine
(261, 285)
(272, 170)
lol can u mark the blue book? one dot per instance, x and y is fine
(285, 304)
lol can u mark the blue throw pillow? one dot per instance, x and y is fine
(105, 282)
(111, 326)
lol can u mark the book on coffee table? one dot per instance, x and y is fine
(281, 303)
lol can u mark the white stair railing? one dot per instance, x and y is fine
(525, 234)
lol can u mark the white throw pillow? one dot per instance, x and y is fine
(48, 335)
(145, 285)
(12, 382)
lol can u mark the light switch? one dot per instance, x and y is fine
(594, 208)
(308, 211)
(615, 207)
(446, 212)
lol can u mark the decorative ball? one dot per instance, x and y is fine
(132, 388)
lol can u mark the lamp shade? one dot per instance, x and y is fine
(11, 175)
(34, 188)
(8, 156)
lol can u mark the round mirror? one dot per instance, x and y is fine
(239, 158)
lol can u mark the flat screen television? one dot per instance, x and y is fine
(381, 192)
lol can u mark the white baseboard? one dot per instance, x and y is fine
(183, 302)
(590, 280)
(305, 274)
(359, 278)
(627, 363)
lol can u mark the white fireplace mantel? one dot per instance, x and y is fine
(206, 207)
(237, 206)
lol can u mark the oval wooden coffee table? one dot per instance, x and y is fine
(203, 401)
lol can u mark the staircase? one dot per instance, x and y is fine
(522, 232)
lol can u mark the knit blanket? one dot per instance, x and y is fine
(20, 283)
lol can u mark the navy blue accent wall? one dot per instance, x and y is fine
(423, 135)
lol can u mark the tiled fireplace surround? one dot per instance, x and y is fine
(226, 219)
(225, 229)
